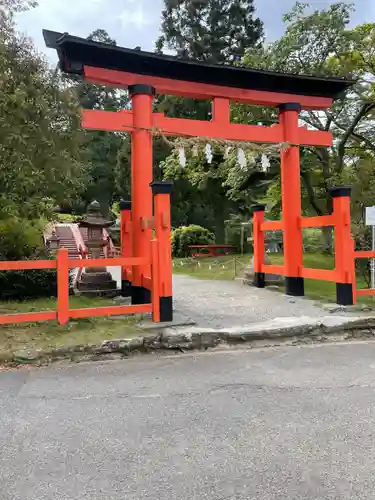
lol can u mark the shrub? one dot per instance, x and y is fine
(235, 236)
(313, 240)
(23, 240)
(20, 238)
(184, 236)
(68, 218)
(31, 284)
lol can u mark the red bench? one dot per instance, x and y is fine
(211, 250)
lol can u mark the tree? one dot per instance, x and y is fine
(41, 157)
(214, 31)
(321, 44)
(103, 148)
(11, 6)
(222, 186)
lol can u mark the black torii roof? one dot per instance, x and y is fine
(75, 52)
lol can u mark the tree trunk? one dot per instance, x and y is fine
(327, 240)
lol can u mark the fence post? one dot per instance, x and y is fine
(126, 245)
(62, 286)
(162, 213)
(344, 255)
(353, 269)
(155, 292)
(258, 245)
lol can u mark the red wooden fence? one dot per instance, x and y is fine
(63, 264)
(344, 272)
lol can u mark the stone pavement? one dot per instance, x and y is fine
(223, 304)
(272, 424)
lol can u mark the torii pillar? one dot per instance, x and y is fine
(141, 169)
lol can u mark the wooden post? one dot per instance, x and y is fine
(155, 281)
(126, 246)
(142, 165)
(344, 253)
(291, 200)
(353, 270)
(258, 245)
(162, 213)
(62, 286)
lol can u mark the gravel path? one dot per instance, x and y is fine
(275, 424)
(221, 304)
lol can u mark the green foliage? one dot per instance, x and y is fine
(319, 42)
(215, 31)
(312, 42)
(32, 284)
(67, 218)
(17, 5)
(41, 158)
(361, 177)
(123, 169)
(103, 148)
(184, 236)
(212, 30)
(222, 186)
(123, 165)
(21, 239)
(237, 234)
(313, 240)
(115, 210)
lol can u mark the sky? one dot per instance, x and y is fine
(136, 22)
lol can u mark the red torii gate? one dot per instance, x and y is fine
(146, 74)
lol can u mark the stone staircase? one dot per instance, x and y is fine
(67, 240)
(71, 237)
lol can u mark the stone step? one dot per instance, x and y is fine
(86, 285)
(99, 293)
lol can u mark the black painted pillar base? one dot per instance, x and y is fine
(295, 287)
(126, 288)
(140, 295)
(259, 280)
(166, 309)
(344, 294)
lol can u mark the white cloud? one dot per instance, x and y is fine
(78, 17)
(135, 17)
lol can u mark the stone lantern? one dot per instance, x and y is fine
(96, 281)
(53, 242)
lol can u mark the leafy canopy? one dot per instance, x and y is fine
(41, 156)
(216, 31)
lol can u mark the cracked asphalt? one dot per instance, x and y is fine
(276, 423)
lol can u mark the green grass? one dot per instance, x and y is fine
(229, 267)
(49, 334)
(219, 268)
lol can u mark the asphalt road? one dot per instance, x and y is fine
(286, 423)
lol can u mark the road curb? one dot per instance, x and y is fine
(186, 338)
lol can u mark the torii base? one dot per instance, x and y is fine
(140, 295)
